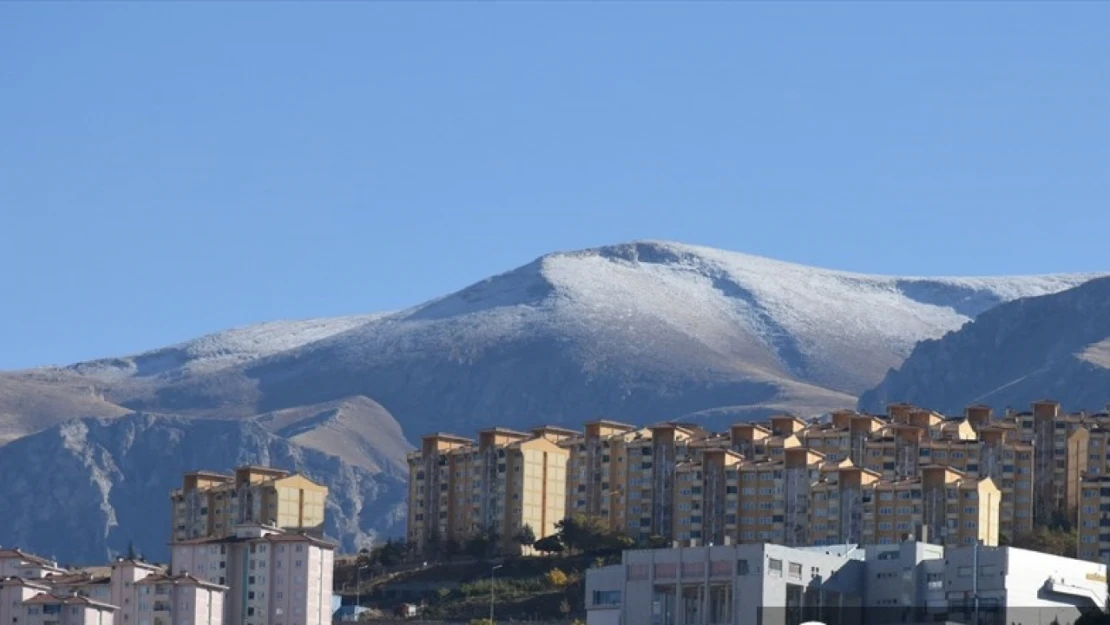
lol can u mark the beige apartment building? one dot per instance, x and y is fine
(459, 488)
(787, 480)
(212, 504)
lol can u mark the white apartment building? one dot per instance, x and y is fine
(13, 592)
(179, 600)
(756, 584)
(273, 577)
(129, 592)
(16, 563)
(47, 609)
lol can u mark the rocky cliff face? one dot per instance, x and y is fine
(80, 491)
(1055, 346)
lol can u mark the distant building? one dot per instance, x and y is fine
(459, 488)
(211, 504)
(179, 600)
(845, 478)
(48, 609)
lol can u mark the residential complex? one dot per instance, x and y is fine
(498, 484)
(912, 582)
(212, 504)
(845, 478)
(232, 569)
(36, 590)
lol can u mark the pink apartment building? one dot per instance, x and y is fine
(179, 600)
(273, 577)
(13, 592)
(47, 609)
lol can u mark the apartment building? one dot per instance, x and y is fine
(272, 577)
(179, 600)
(788, 480)
(16, 563)
(116, 593)
(505, 480)
(212, 504)
(1094, 519)
(911, 582)
(13, 592)
(49, 609)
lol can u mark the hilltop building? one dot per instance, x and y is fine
(847, 478)
(210, 504)
(459, 488)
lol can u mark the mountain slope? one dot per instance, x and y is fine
(1051, 346)
(84, 489)
(637, 331)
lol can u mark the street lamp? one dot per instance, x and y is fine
(358, 587)
(491, 580)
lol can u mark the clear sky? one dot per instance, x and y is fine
(171, 169)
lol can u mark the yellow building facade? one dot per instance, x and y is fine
(847, 478)
(210, 504)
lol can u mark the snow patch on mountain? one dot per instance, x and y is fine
(222, 349)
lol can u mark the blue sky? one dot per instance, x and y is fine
(170, 169)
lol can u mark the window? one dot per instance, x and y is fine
(795, 570)
(607, 597)
(741, 567)
(774, 567)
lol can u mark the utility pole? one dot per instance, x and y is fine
(491, 582)
(358, 587)
(975, 581)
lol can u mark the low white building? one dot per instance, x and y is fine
(179, 600)
(16, 563)
(881, 585)
(128, 592)
(48, 609)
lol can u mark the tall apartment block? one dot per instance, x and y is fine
(257, 534)
(212, 504)
(505, 480)
(271, 577)
(850, 477)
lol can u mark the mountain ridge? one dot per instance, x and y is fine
(638, 332)
(1054, 345)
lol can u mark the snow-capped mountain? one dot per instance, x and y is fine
(1055, 346)
(638, 332)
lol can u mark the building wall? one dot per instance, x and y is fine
(12, 595)
(877, 585)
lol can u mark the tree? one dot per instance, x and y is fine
(478, 546)
(131, 555)
(549, 544)
(526, 537)
(452, 548)
(391, 553)
(590, 535)
(564, 607)
(1058, 542)
(556, 578)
